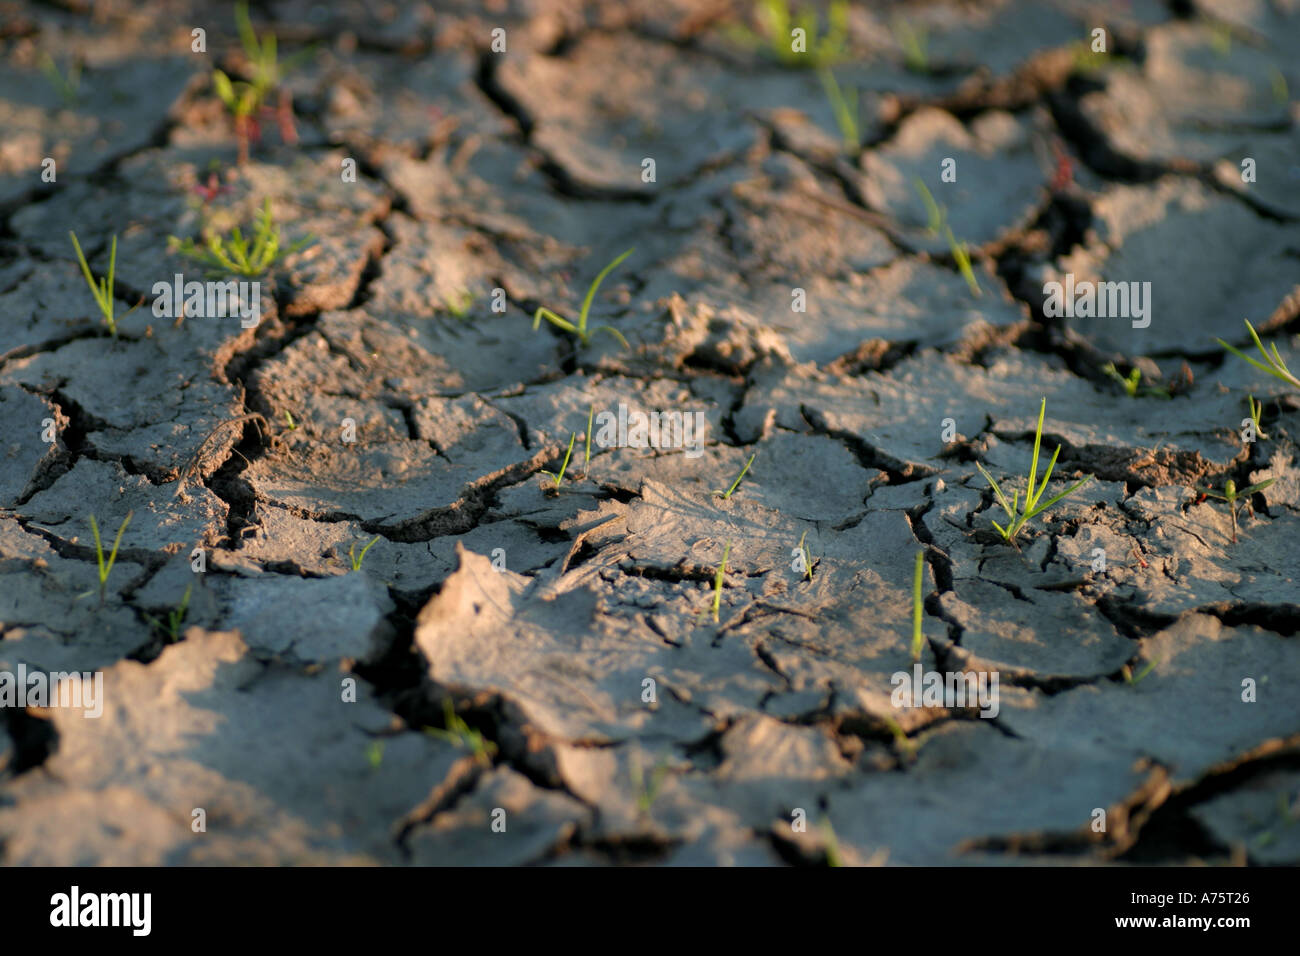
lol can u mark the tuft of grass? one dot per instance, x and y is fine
(1232, 496)
(238, 255)
(1256, 410)
(913, 41)
(918, 576)
(580, 329)
(102, 288)
(807, 557)
(844, 104)
(460, 734)
(777, 22)
(736, 484)
(1132, 383)
(68, 87)
(717, 582)
(1273, 363)
(106, 566)
(356, 559)
(565, 467)
(961, 254)
(1033, 493)
(170, 628)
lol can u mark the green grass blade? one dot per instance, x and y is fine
(1002, 499)
(917, 579)
(1033, 462)
(595, 285)
(1074, 487)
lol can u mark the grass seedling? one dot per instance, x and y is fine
(647, 791)
(717, 582)
(918, 641)
(736, 484)
(238, 255)
(69, 87)
(1033, 493)
(937, 223)
(102, 289)
(375, 754)
(170, 629)
(245, 99)
(460, 734)
(293, 426)
(563, 468)
(356, 559)
(808, 48)
(844, 104)
(580, 330)
(1256, 410)
(106, 566)
(1131, 383)
(807, 558)
(1272, 363)
(913, 41)
(1133, 680)
(1231, 495)
(459, 303)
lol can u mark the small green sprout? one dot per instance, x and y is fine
(918, 576)
(1273, 364)
(106, 567)
(236, 254)
(458, 304)
(244, 99)
(913, 41)
(807, 557)
(293, 426)
(778, 26)
(591, 413)
(647, 790)
(736, 484)
(833, 856)
(1132, 382)
(1033, 493)
(69, 87)
(938, 223)
(459, 733)
(844, 104)
(1278, 81)
(903, 743)
(717, 582)
(375, 754)
(1134, 679)
(356, 559)
(171, 627)
(1256, 410)
(563, 468)
(102, 289)
(580, 330)
(1231, 495)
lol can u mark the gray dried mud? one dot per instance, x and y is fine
(310, 711)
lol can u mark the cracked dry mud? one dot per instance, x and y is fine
(293, 702)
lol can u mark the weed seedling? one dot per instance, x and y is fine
(1033, 493)
(1131, 383)
(1256, 410)
(1232, 496)
(459, 733)
(293, 426)
(375, 754)
(1133, 680)
(170, 629)
(913, 41)
(937, 224)
(736, 484)
(580, 330)
(106, 567)
(102, 289)
(647, 791)
(844, 104)
(238, 255)
(591, 413)
(458, 303)
(563, 468)
(356, 559)
(1272, 363)
(717, 582)
(244, 99)
(917, 577)
(779, 24)
(69, 87)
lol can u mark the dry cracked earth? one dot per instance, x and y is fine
(553, 654)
